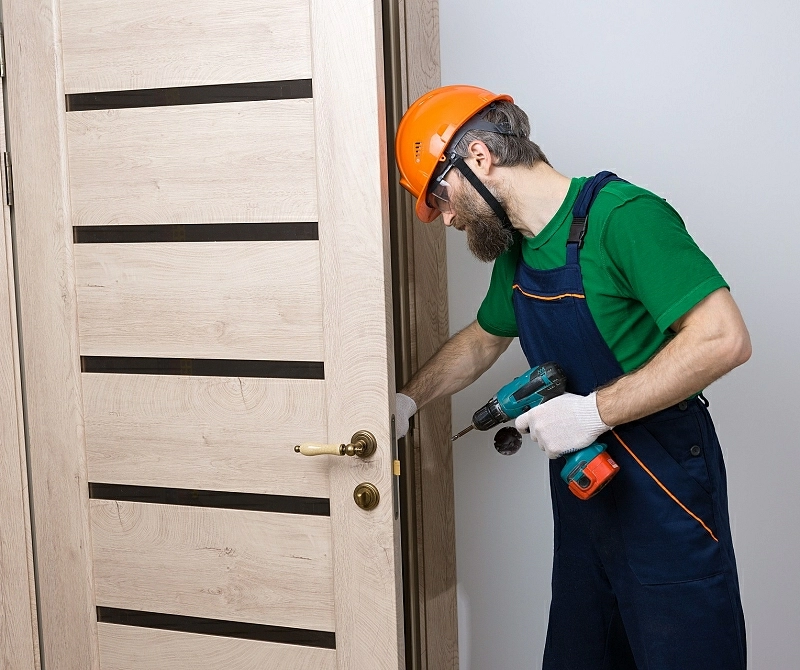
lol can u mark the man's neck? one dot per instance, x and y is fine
(537, 193)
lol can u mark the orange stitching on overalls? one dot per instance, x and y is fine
(666, 490)
(544, 297)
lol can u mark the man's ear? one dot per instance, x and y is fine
(482, 161)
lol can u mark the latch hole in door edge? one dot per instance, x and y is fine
(396, 475)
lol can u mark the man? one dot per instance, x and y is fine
(644, 574)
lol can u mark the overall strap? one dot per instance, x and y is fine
(580, 212)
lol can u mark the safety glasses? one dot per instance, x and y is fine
(438, 196)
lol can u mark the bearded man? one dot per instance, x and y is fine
(600, 276)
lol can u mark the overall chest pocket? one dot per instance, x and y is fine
(684, 441)
(666, 510)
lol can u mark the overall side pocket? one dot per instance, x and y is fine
(666, 515)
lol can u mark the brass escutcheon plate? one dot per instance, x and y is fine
(367, 496)
(365, 442)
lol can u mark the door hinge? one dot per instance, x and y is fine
(2, 53)
(7, 177)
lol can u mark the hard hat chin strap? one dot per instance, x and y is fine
(479, 122)
(459, 163)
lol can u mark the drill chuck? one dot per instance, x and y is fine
(489, 416)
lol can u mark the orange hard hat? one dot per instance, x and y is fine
(427, 128)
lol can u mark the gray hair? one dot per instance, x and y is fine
(507, 150)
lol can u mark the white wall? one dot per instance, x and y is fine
(699, 102)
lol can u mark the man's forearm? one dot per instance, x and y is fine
(710, 341)
(460, 361)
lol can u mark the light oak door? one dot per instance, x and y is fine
(201, 226)
(18, 630)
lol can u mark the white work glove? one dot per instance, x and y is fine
(564, 424)
(405, 408)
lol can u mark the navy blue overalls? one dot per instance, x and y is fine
(644, 575)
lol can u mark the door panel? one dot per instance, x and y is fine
(244, 300)
(240, 161)
(225, 564)
(146, 44)
(178, 371)
(174, 431)
(129, 648)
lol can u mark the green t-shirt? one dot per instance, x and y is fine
(641, 270)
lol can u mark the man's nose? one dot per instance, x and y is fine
(447, 218)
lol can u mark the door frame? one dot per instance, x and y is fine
(421, 324)
(20, 633)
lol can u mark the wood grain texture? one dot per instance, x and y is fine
(215, 163)
(214, 433)
(436, 503)
(48, 322)
(151, 44)
(254, 300)
(19, 641)
(257, 567)
(422, 53)
(130, 648)
(354, 247)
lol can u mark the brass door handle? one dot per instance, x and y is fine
(362, 444)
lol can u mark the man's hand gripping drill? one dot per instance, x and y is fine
(563, 424)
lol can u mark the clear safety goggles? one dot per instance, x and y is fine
(438, 196)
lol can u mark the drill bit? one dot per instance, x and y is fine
(463, 432)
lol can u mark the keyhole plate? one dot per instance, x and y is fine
(367, 496)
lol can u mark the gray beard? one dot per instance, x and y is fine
(487, 239)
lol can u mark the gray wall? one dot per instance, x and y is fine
(699, 102)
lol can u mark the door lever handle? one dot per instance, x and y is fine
(362, 444)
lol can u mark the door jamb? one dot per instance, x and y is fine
(419, 279)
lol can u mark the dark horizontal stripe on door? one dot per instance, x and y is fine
(204, 367)
(252, 502)
(190, 95)
(237, 629)
(197, 232)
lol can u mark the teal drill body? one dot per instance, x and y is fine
(520, 395)
(587, 470)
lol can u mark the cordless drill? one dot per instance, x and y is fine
(587, 470)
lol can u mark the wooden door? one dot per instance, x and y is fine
(19, 644)
(202, 238)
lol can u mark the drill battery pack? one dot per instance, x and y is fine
(587, 471)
